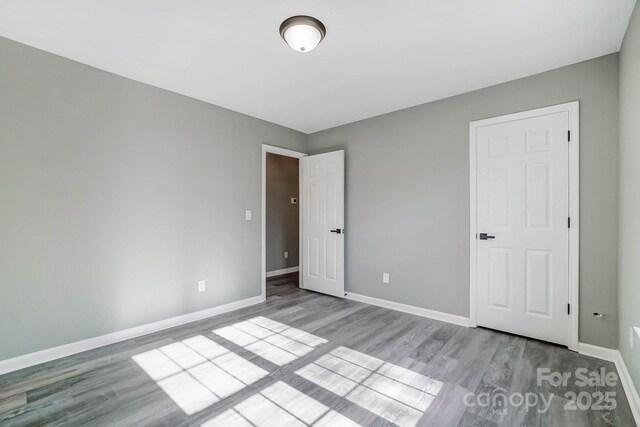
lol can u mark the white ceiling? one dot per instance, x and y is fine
(378, 56)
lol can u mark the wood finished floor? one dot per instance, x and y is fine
(107, 387)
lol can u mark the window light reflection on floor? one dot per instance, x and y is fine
(198, 372)
(394, 393)
(271, 340)
(280, 405)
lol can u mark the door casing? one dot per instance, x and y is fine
(573, 109)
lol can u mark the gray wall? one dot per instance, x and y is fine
(116, 198)
(407, 195)
(283, 232)
(629, 289)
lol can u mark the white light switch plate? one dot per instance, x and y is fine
(286, 255)
(247, 215)
(202, 286)
(385, 277)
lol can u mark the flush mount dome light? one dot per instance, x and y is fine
(302, 33)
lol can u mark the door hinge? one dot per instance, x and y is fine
(569, 135)
(569, 222)
(569, 309)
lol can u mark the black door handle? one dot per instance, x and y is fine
(337, 230)
(485, 236)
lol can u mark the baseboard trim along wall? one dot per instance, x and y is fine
(283, 271)
(625, 378)
(32, 359)
(598, 352)
(405, 308)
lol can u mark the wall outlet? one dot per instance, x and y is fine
(294, 200)
(286, 255)
(631, 337)
(385, 277)
(202, 286)
(247, 215)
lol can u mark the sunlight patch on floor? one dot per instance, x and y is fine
(271, 340)
(396, 394)
(280, 405)
(198, 372)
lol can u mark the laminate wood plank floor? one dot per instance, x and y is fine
(303, 358)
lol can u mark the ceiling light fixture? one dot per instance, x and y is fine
(302, 33)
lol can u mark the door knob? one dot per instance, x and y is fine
(338, 230)
(485, 236)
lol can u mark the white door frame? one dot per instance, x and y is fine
(574, 207)
(289, 153)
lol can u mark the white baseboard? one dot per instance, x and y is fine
(418, 311)
(629, 387)
(283, 271)
(598, 352)
(32, 359)
(625, 378)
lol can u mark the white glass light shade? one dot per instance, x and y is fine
(302, 38)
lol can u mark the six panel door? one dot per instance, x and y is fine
(523, 208)
(323, 223)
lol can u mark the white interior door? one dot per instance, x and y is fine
(522, 211)
(323, 223)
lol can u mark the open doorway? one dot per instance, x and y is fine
(282, 253)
